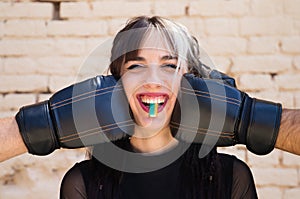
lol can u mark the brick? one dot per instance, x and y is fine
(297, 100)
(25, 47)
(1, 64)
(275, 176)
(238, 151)
(98, 58)
(43, 97)
(76, 10)
(26, 83)
(15, 101)
(57, 83)
(69, 47)
(266, 8)
(77, 28)
(269, 192)
(291, 44)
(261, 63)
(61, 159)
(23, 28)
(291, 160)
(221, 63)
(285, 98)
(296, 62)
(224, 45)
(55, 65)
(1, 29)
(26, 10)
(269, 160)
(195, 25)
(255, 82)
(263, 45)
(105, 9)
(215, 8)
(99, 46)
(221, 26)
(5, 114)
(296, 26)
(291, 193)
(259, 26)
(291, 8)
(288, 81)
(115, 25)
(178, 8)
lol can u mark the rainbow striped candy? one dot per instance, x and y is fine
(153, 109)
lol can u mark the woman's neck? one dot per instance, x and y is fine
(156, 143)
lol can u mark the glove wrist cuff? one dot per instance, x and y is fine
(263, 126)
(36, 128)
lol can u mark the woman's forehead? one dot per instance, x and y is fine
(160, 53)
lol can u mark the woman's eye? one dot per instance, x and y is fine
(173, 66)
(134, 66)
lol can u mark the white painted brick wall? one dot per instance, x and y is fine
(261, 63)
(224, 45)
(215, 8)
(292, 193)
(257, 26)
(288, 81)
(275, 176)
(105, 9)
(269, 192)
(28, 83)
(18, 47)
(221, 26)
(26, 10)
(255, 82)
(30, 28)
(15, 101)
(266, 8)
(263, 45)
(167, 9)
(289, 44)
(77, 28)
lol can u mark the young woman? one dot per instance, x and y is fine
(149, 56)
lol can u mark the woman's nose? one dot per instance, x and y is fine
(153, 79)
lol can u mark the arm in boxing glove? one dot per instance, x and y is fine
(79, 115)
(226, 115)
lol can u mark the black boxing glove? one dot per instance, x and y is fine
(226, 115)
(79, 115)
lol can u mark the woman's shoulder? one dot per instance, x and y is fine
(73, 185)
(242, 179)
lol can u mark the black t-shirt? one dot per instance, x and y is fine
(161, 183)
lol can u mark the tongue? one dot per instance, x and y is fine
(153, 109)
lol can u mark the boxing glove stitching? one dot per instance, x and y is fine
(92, 133)
(109, 125)
(73, 101)
(196, 128)
(221, 96)
(206, 132)
(218, 99)
(100, 89)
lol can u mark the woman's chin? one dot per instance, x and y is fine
(150, 126)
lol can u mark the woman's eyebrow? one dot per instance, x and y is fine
(135, 59)
(168, 57)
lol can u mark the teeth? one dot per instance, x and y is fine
(148, 100)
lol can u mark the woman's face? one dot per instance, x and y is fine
(151, 79)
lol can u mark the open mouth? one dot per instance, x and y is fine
(148, 99)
